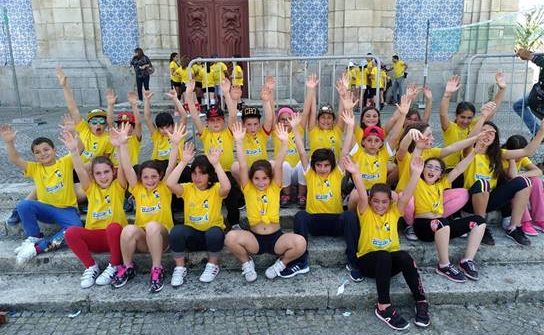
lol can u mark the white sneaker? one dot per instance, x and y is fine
(248, 270)
(28, 240)
(178, 276)
(106, 276)
(88, 276)
(274, 270)
(25, 253)
(209, 273)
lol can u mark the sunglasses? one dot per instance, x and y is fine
(97, 120)
(433, 167)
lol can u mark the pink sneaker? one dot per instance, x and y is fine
(528, 229)
(539, 225)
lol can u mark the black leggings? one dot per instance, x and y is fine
(500, 196)
(383, 265)
(184, 238)
(426, 228)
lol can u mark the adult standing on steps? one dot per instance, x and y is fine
(143, 68)
(399, 75)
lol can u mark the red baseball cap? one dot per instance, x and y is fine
(125, 117)
(374, 130)
(214, 111)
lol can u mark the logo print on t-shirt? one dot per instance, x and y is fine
(387, 226)
(205, 204)
(264, 199)
(156, 194)
(107, 198)
(58, 173)
(95, 145)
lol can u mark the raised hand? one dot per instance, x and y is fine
(266, 94)
(7, 133)
(524, 54)
(111, 98)
(416, 165)
(214, 154)
(480, 146)
(405, 103)
(270, 82)
(295, 120)
(190, 87)
(427, 93)
(115, 139)
(412, 91)
(61, 76)
(312, 81)
(132, 97)
(121, 133)
(348, 117)
(68, 123)
(69, 141)
(238, 131)
(500, 79)
(416, 135)
(281, 133)
(148, 95)
(341, 88)
(235, 93)
(172, 94)
(453, 85)
(188, 152)
(177, 135)
(225, 86)
(349, 101)
(349, 165)
(488, 108)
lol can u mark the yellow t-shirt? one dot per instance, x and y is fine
(523, 163)
(207, 78)
(329, 139)
(223, 140)
(238, 76)
(378, 232)
(292, 154)
(255, 146)
(93, 145)
(404, 165)
(324, 194)
(398, 68)
(479, 169)
(358, 76)
(262, 206)
(174, 76)
(152, 205)
(430, 198)
(133, 150)
(183, 74)
(105, 206)
(373, 168)
(352, 76)
(162, 146)
(367, 70)
(218, 72)
(202, 208)
(196, 69)
(54, 183)
(454, 134)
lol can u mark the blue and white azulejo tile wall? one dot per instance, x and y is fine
(411, 24)
(309, 27)
(119, 27)
(23, 36)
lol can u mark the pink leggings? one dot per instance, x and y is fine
(454, 200)
(84, 241)
(536, 201)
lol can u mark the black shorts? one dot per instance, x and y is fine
(183, 87)
(267, 242)
(370, 92)
(198, 84)
(174, 84)
(209, 89)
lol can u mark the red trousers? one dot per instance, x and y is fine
(85, 241)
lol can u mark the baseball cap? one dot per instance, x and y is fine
(374, 130)
(287, 110)
(96, 113)
(214, 111)
(250, 112)
(125, 117)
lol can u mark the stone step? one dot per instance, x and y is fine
(318, 289)
(323, 251)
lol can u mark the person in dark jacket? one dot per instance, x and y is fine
(142, 66)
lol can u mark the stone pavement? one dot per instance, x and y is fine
(505, 319)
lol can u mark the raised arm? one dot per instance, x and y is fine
(487, 109)
(530, 149)
(461, 166)
(8, 135)
(124, 156)
(266, 97)
(147, 112)
(348, 118)
(238, 132)
(235, 96)
(402, 110)
(311, 83)
(299, 142)
(458, 146)
(133, 100)
(343, 95)
(173, 177)
(224, 184)
(195, 115)
(416, 167)
(175, 139)
(68, 95)
(283, 136)
(411, 136)
(71, 143)
(111, 98)
(353, 168)
(428, 94)
(452, 86)
(499, 97)
(180, 110)
(116, 142)
(231, 104)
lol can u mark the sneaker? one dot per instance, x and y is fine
(14, 218)
(122, 276)
(210, 272)
(284, 200)
(488, 238)
(409, 233)
(422, 314)
(274, 270)
(295, 269)
(392, 318)
(528, 229)
(517, 235)
(451, 273)
(157, 279)
(178, 276)
(25, 253)
(302, 201)
(29, 240)
(539, 225)
(106, 276)
(354, 273)
(248, 270)
(469, 268)
(88, 276)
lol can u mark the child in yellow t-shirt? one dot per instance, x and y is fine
(379, 255)
(149, 233)
(203, 228)
(261, 184)
(56, 198)
(105, 215)
(175, 77)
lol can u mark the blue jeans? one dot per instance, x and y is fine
(398, 88)
(521, 107)
(31, 211)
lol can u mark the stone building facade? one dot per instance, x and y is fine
(93, 39)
